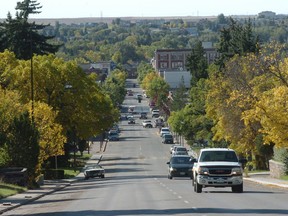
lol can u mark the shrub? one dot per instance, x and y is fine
(281, 155)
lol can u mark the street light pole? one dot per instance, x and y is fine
(32, 88)
(31, 76)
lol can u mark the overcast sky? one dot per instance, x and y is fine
(147, 8)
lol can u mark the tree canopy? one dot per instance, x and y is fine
(22, 37)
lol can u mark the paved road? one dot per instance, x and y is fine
(136, 183)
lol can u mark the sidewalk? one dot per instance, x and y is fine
(49, 187)
(264, 178)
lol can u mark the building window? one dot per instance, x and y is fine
(163, 65)
(176, 56)
(178, 64)
(163, 57)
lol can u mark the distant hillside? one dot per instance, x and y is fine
(70, 21)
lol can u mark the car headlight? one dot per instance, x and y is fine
(203, 171)
(172, 169)
(237, 171)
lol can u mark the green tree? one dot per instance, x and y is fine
(114, 86)
(158, 89)
(236, 39)
(23, 37)
(23, 146)
(197, 63)
(142, 70)
(179, 97)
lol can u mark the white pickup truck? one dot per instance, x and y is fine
(218, 167)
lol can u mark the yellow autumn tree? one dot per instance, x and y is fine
(271, 108)
(229, 95)
(52, 139)
(63, 85)
(272, 113)
(10, 108)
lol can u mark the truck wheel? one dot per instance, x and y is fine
(169, 176)
(149, 126)
(197, 187)
(237, 188)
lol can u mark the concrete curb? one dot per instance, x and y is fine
(267, 182)
(51, 186)
(10, 203)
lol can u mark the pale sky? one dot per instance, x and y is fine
(147, 8)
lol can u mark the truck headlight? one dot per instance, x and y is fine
(236, 171)
(203, 171)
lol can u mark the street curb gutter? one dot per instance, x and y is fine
(259, 181)
(28, 199)
(23, 199)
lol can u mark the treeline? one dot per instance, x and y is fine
(47, 104)
(126, 42)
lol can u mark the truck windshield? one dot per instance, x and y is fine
(228, 156)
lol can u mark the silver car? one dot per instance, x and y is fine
(92, 171)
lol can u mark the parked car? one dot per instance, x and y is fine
(155, 113)
(139, 96)
(143, 115)
(131, 109)
(164, 130)
(167, 138)
(152, 104)
(180, 153)
(158, 122)
(180, 166)
(179, 150)
(147, 124)
(131, 121)
(129, 116)
(145, 95)
(92, 171)
(113, 135)
(173, 146)
(130, 92)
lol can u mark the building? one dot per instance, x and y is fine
(101, 68)
(171, 63)
(267, 14)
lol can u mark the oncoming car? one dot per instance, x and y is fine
(180, 166)
(92, 171)
(113, 135)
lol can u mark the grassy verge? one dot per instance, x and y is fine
(9, 190)
(69, 172)
(257, 171)
(77, 166)
(285, 177)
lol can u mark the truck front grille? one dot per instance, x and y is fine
(220, 170)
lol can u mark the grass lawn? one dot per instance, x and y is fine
(69, 172)
(9, 190)
(80, 162)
